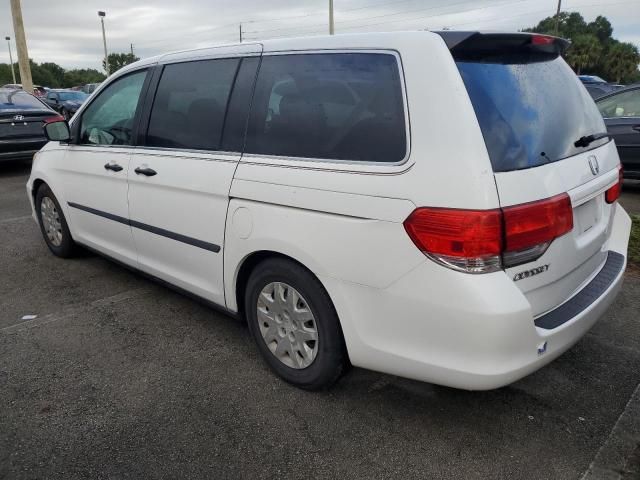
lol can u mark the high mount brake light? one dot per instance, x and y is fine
(483, 241)
(541, 40)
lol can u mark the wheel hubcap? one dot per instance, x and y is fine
(287, 325)
(51, 221)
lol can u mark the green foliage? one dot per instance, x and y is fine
(52, 75)
(119, 60)
(593, 49)
(634, 240)
(585, 52)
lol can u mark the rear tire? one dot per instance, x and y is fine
(53, 224)
(294, 324)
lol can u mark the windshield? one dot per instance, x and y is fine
(64, 96)
(19, 100)
(530, 113)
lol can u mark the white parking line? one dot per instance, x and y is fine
(71, 311)
(610, 461)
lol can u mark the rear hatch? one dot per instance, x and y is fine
(541, 130)
(22, 116)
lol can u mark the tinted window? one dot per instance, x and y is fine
(19, 100)
(530, 113)
(109, 118)
(79, 96)
(344, 106)
(235, 124)
(190, 104)
(623, 104)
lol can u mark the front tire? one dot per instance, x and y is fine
(294, 324)
(53, 224)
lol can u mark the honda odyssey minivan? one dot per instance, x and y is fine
(436, 205)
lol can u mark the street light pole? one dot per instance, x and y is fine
(13, 72)
(102, 14)
(331, 30)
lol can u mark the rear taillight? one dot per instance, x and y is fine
(55, 118)
(482, 241)
(530, 227)
(467, 240)
(613, 193)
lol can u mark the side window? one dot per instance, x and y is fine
(109, 118)
(625, 104)
(343, 106)
(191, 103)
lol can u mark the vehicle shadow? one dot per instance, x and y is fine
(14, 168)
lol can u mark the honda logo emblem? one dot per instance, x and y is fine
(18, 118)
(593, 163)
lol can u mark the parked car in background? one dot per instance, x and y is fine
(38, 90)
(621, 112)
(22, 116)
(597, 87)
(317, 188)
(90, 87)
(66, 102)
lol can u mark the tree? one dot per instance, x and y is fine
(119, 60)
(622, 61)
(83, 76)
(601, 28)
(584, 52)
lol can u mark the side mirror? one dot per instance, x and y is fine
(57, 131)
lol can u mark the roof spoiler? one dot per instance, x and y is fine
(478, 46)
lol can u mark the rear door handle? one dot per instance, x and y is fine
(149, 172)
(113, 166)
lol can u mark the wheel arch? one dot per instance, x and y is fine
(248, 264)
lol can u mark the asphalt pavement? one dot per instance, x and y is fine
(118, 377)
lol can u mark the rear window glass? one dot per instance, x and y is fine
(342, 106)
(530, 113)
(19, 100)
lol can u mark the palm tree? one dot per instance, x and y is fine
(584, 52)
(622, 60)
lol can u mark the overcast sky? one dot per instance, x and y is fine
(68, 31)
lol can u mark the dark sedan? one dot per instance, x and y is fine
(621, 112)
(21, 118)
(66, 102)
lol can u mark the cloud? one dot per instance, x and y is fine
(69, 34)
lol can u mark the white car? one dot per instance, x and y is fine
(435, 205)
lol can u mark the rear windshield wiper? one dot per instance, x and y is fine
(589, 139)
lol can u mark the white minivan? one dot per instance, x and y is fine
(435, 205)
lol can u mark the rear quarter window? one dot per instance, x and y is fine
(337, 106)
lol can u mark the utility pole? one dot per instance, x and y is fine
(102, 14)
(240, 32)
(558, 18)
(331, 30)
(13, 71)
(21, 46)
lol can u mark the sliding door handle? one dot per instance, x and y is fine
(149, 172)
(113, 167)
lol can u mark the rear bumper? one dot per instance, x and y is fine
(475, 332)
(20, 149)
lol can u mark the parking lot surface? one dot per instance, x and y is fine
(119, 377)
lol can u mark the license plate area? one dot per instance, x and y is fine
(588, 215)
